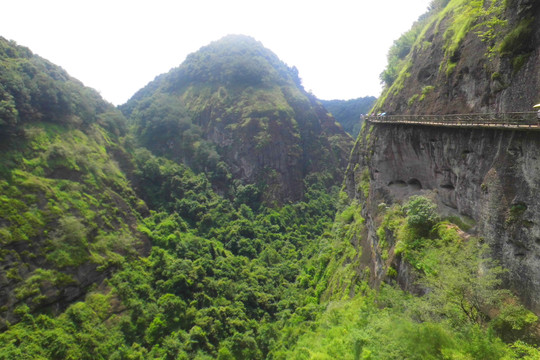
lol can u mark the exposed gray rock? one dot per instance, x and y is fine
(491, 176)
(480, 79)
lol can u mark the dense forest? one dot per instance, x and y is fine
(212, 216)
(110, 250)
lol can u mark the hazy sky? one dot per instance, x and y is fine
(117, 46)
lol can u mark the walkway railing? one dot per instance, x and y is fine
(513, 120)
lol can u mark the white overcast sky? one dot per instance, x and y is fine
(117, 46)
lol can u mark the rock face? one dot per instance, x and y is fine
(247, 108)
(492, 66)
(491, 176)
(461, 57)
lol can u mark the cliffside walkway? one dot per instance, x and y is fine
(515, 120)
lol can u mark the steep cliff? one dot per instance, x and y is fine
(490, 176)
(236, 112)
(466, 56)
(461, 57)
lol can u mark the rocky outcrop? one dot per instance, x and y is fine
(491, 176)
(461, 57)
(492, 66)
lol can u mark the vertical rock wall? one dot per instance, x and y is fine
(491, 176)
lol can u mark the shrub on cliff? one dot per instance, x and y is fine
(421, 213)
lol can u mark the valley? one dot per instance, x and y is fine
(224, 212)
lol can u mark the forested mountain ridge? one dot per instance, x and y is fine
(466, 57)
(33, 89)
(237, 112)
(348, 112)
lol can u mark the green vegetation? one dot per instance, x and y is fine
(426, 90)
(420, 97)
(447, 24)
(143, 243)
(412, 99)
(348, 112)
(515, 213)
(220, 278)
(188, 272)
(365, 182)
(65, 203)
(518, 43)
(33, 89)
(64, 200)
(227, 108)
(398, 53)
(461, 315)
(421, 213)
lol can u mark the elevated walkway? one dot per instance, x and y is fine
(510, 121)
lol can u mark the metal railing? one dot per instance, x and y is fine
(504, 120)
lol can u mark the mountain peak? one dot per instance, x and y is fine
(246, 109)
(236, 60)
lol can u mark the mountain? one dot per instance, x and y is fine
(440, 221)
(348, 112)
(466, 57)
(178, 236)
(110, 250)
(488, 176)
(68, 214)
(238, 113)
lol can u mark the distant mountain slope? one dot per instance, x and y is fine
(348, 112)
(466, 56)
(236, 112)
(33, 89)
